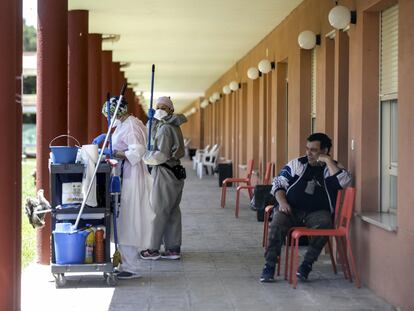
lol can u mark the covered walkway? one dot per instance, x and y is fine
(220, 268)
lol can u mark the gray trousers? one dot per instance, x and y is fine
(165, 201)
(280, 225)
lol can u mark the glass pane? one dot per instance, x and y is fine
(393, 193)
(389, 155)
(394, 131)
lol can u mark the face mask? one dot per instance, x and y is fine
(160, 114)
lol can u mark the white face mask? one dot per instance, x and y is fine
(160, 114)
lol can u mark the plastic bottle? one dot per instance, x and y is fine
(90, 241)
(99, 246)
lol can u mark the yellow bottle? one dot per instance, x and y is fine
(90, 241)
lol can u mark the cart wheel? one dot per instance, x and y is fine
(60, 280)
(111, 279)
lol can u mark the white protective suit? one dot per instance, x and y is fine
(135, 214)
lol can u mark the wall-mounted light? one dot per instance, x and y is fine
(234, 86)
(340, 17)
(252, 73)
(226, 89)
(308, 40)
(264, 66)
(193, 110)
(216, 96)
(204, 103)
(211, 99)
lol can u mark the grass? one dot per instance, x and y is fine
(28, 233)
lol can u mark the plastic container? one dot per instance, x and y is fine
(64, 154)
(70, 247)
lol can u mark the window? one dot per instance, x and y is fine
(389, 109)
(313, 91)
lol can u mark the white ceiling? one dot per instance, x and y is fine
(191, 42)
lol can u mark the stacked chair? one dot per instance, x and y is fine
(208, 160)
(198, 156)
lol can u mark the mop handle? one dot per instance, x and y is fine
(116, 198)
(108, 112)
(151, 98)
(99, 158)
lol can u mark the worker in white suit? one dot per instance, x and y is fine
(135, 216)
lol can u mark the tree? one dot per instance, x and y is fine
(29, 38)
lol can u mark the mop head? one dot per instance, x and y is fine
(116, 259)
(36, 205)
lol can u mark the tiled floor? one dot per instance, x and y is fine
(220, 268)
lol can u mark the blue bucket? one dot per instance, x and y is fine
(63, 154)
(70, 247)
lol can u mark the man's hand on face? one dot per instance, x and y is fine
(285, 208)
(324, 158)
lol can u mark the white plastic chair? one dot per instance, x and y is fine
(209, 160)
(198, 156)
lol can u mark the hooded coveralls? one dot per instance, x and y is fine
(168, 148)
(135, 215)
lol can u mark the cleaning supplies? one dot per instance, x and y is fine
(90, 241)
(99, 245)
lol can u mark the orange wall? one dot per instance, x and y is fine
(347, 109)
(193, 128)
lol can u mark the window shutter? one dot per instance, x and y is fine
(389, 52)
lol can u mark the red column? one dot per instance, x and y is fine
(51, 117)
(10, 127)
(116, 83)
(131, 101)
(122, 79)
(106, 84)
(18, 156)
(78, 74)
(95, 94)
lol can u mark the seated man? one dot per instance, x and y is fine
(305, 191)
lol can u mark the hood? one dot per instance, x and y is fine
(175, 119)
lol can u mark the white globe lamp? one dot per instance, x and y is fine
(226, 89)
(307, 40)
(339, 17)
(216, 96)
(264, 66)
(234, 86)
(252, 73)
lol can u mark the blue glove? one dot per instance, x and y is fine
(106, 151)
(151, 113)
(98, 139)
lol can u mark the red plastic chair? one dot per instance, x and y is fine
(269, 210)
(246, 180)
(266, 180)
(340, 233)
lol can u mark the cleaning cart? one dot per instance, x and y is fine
(65, 209)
